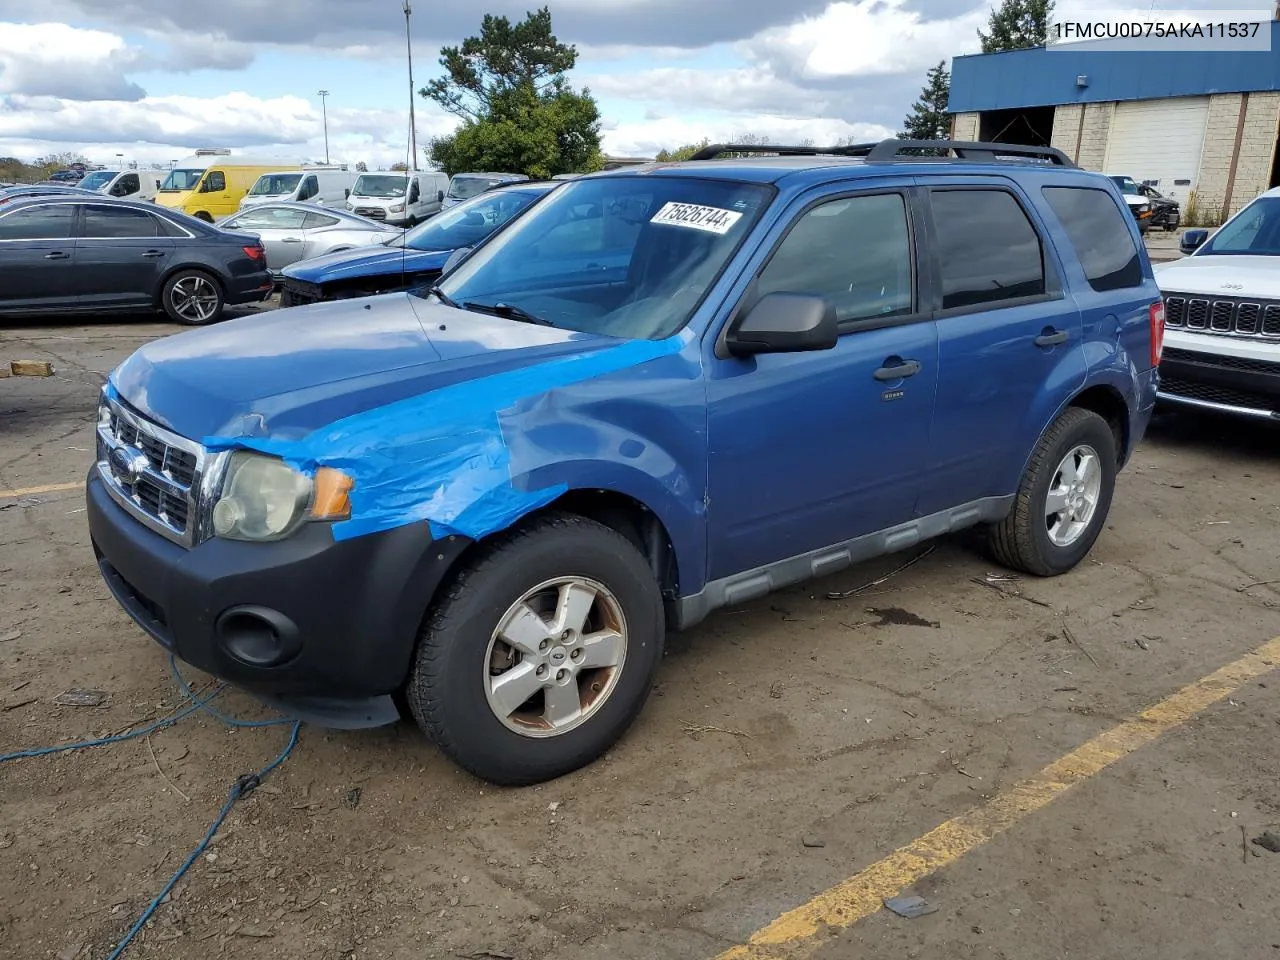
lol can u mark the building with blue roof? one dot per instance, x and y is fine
(1203, 124)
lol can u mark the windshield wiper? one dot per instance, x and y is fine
(442, 296)
(509, 311)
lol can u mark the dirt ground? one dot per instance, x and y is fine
(789, 744)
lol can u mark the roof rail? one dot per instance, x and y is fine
(891, 151)
(902, 151)
(770, 149)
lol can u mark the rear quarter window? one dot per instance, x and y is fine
(1099, 235)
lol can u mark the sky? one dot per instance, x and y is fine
(149, 81)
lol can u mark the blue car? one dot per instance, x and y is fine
(663, 390)
(414, 258)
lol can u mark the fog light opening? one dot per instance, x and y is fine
(257, 637)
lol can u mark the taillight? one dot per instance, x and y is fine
(1157, 332)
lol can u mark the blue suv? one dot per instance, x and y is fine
(661, 391)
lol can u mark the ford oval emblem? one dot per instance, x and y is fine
(127, 464)
(1233, 286)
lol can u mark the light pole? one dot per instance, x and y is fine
(120, 160)
(322, 94)
(413, 128)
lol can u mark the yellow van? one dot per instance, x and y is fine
(224, 185)
(176, 188)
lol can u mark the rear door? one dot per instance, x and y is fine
(37, 257)
(121, 254)
(315, 239)
(1009, 338)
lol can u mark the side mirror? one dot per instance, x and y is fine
(785, 323)
(346, 194)
(454, 259)
(440, 196)
(1193, 240)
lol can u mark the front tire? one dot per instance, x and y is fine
(1063, 500)
(192, 297)
(541, 653)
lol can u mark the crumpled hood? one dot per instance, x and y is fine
(287, 373)
(371, 261)
(1221, 276)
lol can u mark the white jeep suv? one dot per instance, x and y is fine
(1222, 315)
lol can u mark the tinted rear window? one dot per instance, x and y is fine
(988, 250)
(1099, 235)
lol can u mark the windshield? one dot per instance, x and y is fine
(98, 179)
(463, 188)
(384, 185)
(275, 185)
(622, 256)
(468, 223)
(1254, 232)
(181, 180)
(1127, 185)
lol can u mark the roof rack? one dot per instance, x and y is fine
(905, 151)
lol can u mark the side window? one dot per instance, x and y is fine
(130, 181)
(855, 251)
(38, 223)
(270, 218)
(1099, 235)
(215, 182)
(415, 192)
(310, 187)
(114, 222)
(988, 250)
(314, 221)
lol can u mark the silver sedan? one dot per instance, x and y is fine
(299, 231)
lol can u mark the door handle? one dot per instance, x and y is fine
(291, 240)
(153, 254)
(57, 255)
(1051, 337)
(895, 368)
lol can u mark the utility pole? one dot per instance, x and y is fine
(413, 127)
(323, 94)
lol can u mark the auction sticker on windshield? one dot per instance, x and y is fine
(711, 219)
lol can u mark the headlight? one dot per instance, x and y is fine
(1144, 210)
(263, 498)
(350, 205)
(397, 208)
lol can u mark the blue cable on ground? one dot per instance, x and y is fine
(243, 786)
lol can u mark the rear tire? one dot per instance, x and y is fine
(193, 297)
(1062, 502)
(574, 594)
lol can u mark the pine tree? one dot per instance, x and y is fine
(929, 119)
(1016, 25)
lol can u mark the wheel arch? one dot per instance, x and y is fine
(1109, 403)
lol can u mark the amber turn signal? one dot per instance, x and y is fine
(331, 500)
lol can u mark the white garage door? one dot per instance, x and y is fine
(1159, 140)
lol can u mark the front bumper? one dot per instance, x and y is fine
(324, 629)
(1227, 384)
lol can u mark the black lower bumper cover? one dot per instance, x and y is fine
(348, 612)
(1237, 382)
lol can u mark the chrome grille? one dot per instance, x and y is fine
(1230, 316)
(152, 473)
(371, 213)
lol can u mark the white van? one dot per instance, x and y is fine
(399, 198)
(464, 186)
(323, 186)
(134, 184)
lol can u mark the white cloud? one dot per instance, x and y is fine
(158, 129)
(645, 138)
(750, 89)
(54, 59)
(865, 38)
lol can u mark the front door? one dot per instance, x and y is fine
(1009, 339)
(808, 450)
(37, 257)
(120, 256)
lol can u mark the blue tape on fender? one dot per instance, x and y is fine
(441, 457)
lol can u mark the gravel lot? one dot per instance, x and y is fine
(790, 744)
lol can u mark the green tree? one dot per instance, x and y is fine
(681, 153)
(518, 111)
(928, 119)
(362, 167)
(1016, 25)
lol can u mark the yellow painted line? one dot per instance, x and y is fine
(802, 931)
(33, 491)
